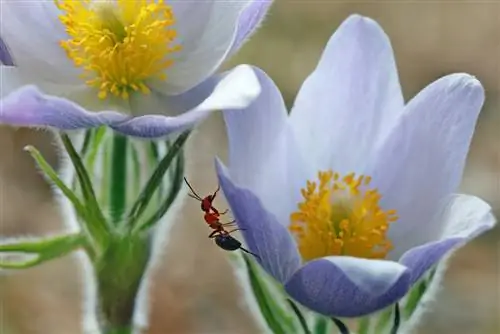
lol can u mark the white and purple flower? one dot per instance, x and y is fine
(150, 63)
(351, 198)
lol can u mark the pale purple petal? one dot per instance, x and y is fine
(5, 57)
(10, 80)
(263, 234)
(32, 31)
(263, 154)
(249, 20)
(173, 105)
(422, 160)
(29, 107)
(465, 217)
(350, 100)
(348, 287)
(203, 49)
(253, 133)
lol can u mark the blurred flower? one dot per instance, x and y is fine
(350, 200)
(136, 58)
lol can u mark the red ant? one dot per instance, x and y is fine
(223, 239)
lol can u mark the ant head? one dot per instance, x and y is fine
(206, 203)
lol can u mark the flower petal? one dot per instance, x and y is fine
(466, 217)
(173, 105)
(263, 154)
(29, 107)
(235, 91)
(32, 31)
(422, 160)
(350, 100)
(10, 80)
(263, 234)
(249, 20)
(205, 46)
(252, 133)
(348, 287)
(5, 57)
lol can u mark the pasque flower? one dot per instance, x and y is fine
(351, 198)
(151, 59)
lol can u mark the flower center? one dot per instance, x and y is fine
(341, 216)
(119, 44)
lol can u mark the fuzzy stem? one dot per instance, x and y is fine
(119, 273)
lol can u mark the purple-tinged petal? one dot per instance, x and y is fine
(348, 287)
(350, 100)
(263, 153)
(204, 49)
(253, 134)
(5, 57)
(29, 107)
(9, 80)
(263, 234)
(465, 217)
(173, 105)
(33, 31)
(249, 20)
(422, 161)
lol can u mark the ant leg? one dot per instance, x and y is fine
(238, 229)
(248, 252)
(232, 222)
(213, 234)
(224, 212)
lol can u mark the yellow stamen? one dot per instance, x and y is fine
(119, 44)
(341, 216)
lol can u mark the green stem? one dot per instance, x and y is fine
(119, 273)
(118, 188)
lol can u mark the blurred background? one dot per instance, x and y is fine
(194, 290)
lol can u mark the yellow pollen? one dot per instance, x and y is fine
(341, 216)
(119, 44)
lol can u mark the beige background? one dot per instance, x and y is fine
(193, 290)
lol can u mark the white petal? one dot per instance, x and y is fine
(350, 100)
(12, 78)
(262, 154)
(466, 217)
(32, 32)
(422, 161)
(206, 30)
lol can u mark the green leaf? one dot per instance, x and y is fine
(397, 319)
(322, 325)
(155, 180)
(414, 298)
(343, 329)
(383, 320)
(118, 188)
(275, 316)
(364, 325)
(52, 174)
(43, 249)
(176, 186)
(300, 317)
(95, 144)
(96, 223)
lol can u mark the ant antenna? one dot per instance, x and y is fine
(194, 194)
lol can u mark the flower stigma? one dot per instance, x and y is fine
(119, 44)
(341, 216)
